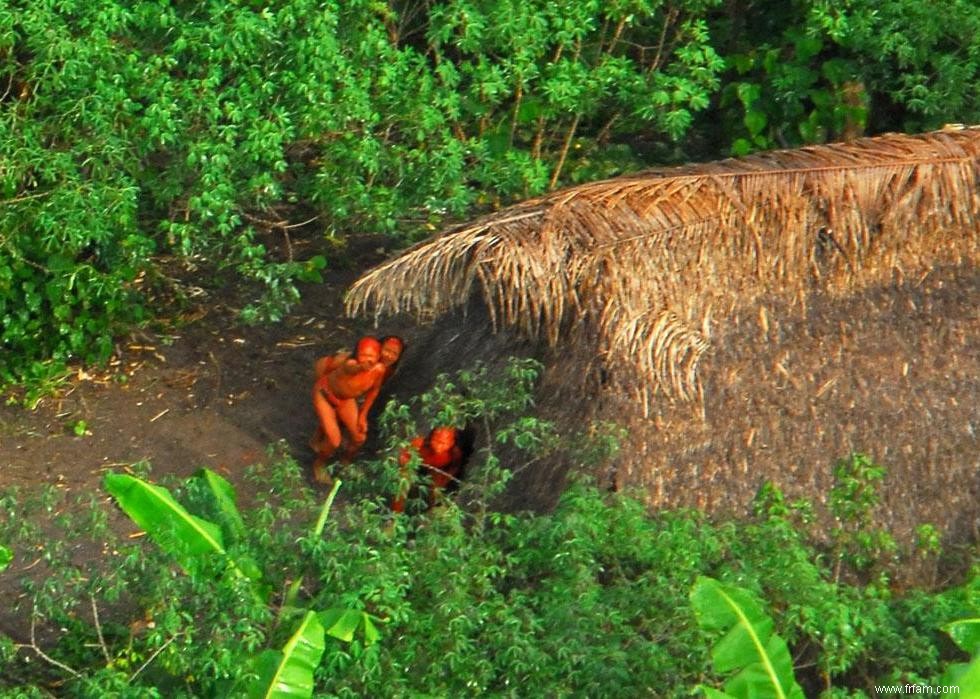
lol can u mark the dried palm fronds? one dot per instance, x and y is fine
(640, 261)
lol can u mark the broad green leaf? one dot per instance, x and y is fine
(371, 633)
(342, 624)
(966, 634)
(6, 556)
(289, 673)
(969, 681)
(166, 521)
(755, 121)
(748, 93)
(713, 693)
(741, 146)
(964, 676)
(224, 500)
(762, 659)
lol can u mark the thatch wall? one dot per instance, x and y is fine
(749, 319)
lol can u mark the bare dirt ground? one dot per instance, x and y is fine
(211, 393)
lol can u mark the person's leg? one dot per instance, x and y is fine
(347, 412)
(330, 429)
(318, 439)
(353, 446)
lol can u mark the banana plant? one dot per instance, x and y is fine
(966, 676)
(760, 658)
(191, 540)
(288, 673)
(186, 537)
(224, 501)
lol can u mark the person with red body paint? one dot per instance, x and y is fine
(340, 381)
(335, 395)
(442, 461)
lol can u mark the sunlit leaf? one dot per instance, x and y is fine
(289, 672)
(165, 520)
(748, 647)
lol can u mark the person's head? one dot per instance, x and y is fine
(442, 439)
(368, 351)
(392, 347)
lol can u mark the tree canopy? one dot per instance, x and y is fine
(140, 142)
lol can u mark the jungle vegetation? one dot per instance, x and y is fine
(288, 595)
(149, 147)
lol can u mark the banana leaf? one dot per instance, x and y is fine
(965, 676)
(748, 647)
(165, 520)
(288, 673)
(966, 634)
(223, 500)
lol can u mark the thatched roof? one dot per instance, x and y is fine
(651, 262)
(837, 288)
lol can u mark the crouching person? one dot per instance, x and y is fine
(442, 461)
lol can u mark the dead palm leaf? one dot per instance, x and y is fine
(640, 260)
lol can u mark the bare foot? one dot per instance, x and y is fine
(321, 474)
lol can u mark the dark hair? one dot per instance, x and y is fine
(398, 339)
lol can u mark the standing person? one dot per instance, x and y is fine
(442, 461)
(335, 395)
(390, 353)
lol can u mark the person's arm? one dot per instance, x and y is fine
(406, 455)
(328, 363)
(369, 398)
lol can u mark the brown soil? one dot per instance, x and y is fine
(210, 393)
(214, 393)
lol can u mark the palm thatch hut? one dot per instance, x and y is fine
(747, 319)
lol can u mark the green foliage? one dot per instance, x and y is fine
(966, 676)
(811, 72)
(966, 634)
(748, 646)
(143, 140)
(289, 673)
(922, 64)
(852, 501)
(175, 529)
(193, 539)
(587, 600)
(590, 599)
(134, 133)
